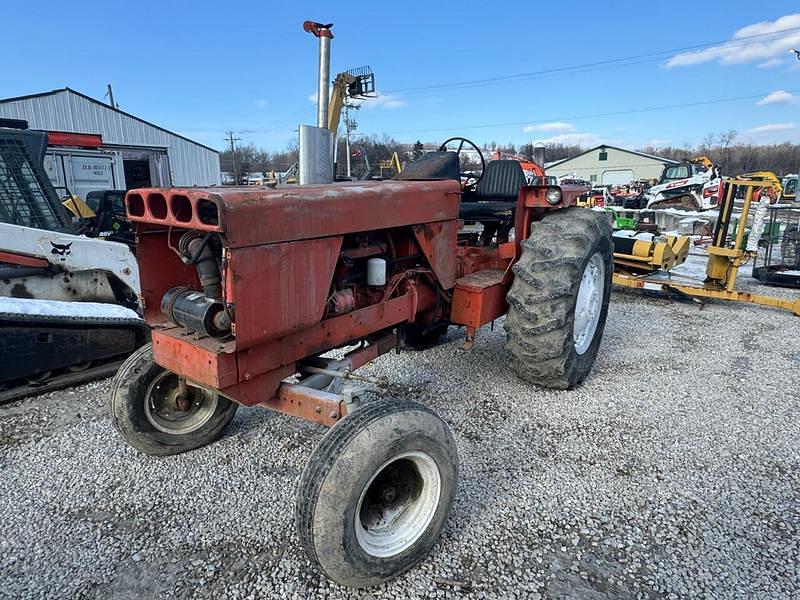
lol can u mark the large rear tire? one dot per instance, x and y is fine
(376, 492)
(558, 301)
(147, 412)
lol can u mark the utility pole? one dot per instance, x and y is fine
(110, 96)
(232, 141)
(350, 125)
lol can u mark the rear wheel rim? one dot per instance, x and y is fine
(398, 504)
(161, 406)
(589, 303)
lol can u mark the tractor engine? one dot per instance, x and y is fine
(240, 285)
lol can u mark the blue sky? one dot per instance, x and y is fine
(201, 68)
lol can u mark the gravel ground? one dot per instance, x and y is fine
(673, 472)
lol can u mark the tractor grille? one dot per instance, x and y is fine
(23, 200)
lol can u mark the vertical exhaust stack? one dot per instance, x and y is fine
(538, 154)
(316, 144)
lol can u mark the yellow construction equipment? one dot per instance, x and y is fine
(75, 205)
(767, 178)
(725, 255)
(645, 253)
(703, 161)
(392, 165)
(355, 83)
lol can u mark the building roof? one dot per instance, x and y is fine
(651, 156)
(106, 106)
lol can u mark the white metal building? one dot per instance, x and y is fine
(122, 151)
(609, 165)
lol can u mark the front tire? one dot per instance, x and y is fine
(558, 302)
(376, 492)
(148, 414)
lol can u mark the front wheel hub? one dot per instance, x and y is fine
(397, 504)
(174, 408)
(589, 303)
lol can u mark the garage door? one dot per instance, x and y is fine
(81, 172)
(617, 177)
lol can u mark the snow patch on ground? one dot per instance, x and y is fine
(57, 308)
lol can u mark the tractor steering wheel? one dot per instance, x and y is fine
(468, 179)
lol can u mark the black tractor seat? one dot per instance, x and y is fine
(495, 196)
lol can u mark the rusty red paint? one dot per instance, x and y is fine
(279, 288)
(438, 243)
(251, 216)
(332, 333)
(23, 260)
(160, 268)
(307, 403)
(477, 258)
(287, 253)
(203, 361)
(240, 375)
(480, 298)
(76, 140)
(361, 356)
(533, 196)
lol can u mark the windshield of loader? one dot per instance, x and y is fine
(676, 172)
(26, 196)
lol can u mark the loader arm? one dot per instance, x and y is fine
(338, 95)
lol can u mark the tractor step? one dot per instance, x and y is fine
(479, 298)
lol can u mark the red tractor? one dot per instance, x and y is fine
(249, 290)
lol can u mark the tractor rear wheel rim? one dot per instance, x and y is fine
(589, 303)
(163, 411)
(397, 504)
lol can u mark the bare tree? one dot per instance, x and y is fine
(707, 143)
(724, 141)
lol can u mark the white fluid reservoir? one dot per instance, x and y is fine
(376, 272)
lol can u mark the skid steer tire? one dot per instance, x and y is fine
(139, 388)
(549, 346)
(376, 492)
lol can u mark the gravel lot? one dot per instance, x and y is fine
(673, 472)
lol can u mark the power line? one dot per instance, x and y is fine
(579, 68)
(744, 40)
(232, 141)
(590, 116)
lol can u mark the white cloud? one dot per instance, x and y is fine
(261, 103)
(379, 101)
(657, 142)
(768, 64)
(578, 138)
(772, 128)
(777, 97)
(385, 101)
(739, 51)
(554, 126)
